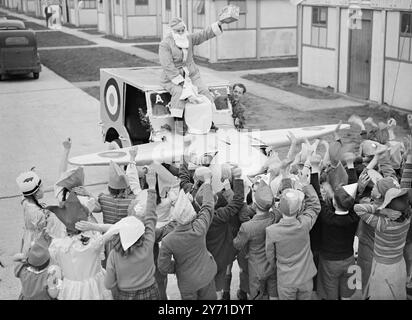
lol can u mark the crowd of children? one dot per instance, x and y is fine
(307, 224)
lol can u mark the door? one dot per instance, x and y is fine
(360, 46)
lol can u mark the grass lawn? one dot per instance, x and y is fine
(265, 114)
(288, 82)
(249, 64)
(83, 64)
(120, 40)
(93, 91)
(29, 25)
(59, 39)
(92, 31)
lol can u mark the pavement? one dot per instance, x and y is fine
(37, 115)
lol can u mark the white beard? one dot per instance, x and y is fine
(182, 41)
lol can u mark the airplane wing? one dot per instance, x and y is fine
(278, 138)
(233, 144)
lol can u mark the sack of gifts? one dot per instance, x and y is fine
(229, 14)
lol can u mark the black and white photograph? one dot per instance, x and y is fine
(215, 150)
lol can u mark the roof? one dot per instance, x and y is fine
(148, 78)
(11, 24)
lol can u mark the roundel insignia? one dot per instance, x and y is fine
(112, 154)
(112, 99)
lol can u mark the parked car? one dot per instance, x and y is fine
(18, 53)
(6, 24)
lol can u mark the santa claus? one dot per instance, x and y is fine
(180, 74)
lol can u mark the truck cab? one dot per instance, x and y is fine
(134, 108)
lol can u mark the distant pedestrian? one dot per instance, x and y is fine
(48, 14)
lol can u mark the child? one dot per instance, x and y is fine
(262, 277)
(288, 242)
(193, 265)
(36, 217)
(130, 265)
(39, 279)
(79, 255)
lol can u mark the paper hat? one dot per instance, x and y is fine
(69, 179)
(263, 196)
(391, 194)
(176, 23)
(117, 177)
(291, 201)
(130, 229)
(165, 178)
(72, 212)
(138, 205)
(38, 254)
(369, 147)
(28, 183)
(384, 184)
(374, 175)
(345, 196)
(337, 176)
(183, 212)
(275, 185)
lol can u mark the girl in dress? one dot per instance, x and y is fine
(79, 255)
(36, 217)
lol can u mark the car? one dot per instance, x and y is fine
(6, 24)
(134, 107)
(18, 53)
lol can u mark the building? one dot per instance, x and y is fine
(80, 12)
(130, 19)
(362, 48)
(265, 29)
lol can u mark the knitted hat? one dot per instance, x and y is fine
(345, 196)
(38, 254)
(291, 202)
(176, 23)
(72, 212)
(117, 177)
(183, 212)
(391, 194)
(28, 182)
(263, 196)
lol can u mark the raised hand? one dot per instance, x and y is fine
(151, 178)
(86, 226)
(133, 153)
(363, 181)
(236, 173)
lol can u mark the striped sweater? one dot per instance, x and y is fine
(390, 236)
(114, 209)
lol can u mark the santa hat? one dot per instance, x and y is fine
(183, 211)
(72, 212)
(130, 229)
(28, 183)
(176, 23)
(117, 177)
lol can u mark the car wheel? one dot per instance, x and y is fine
(1, 77)
(36, 75)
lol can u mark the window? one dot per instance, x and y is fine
(319, 26)
(141, 2)
(89, 4)
(117, 9)
(241, 23)
(168, 5)
(405, 37)
(17, 41)
(199, 18)
(71, 4)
